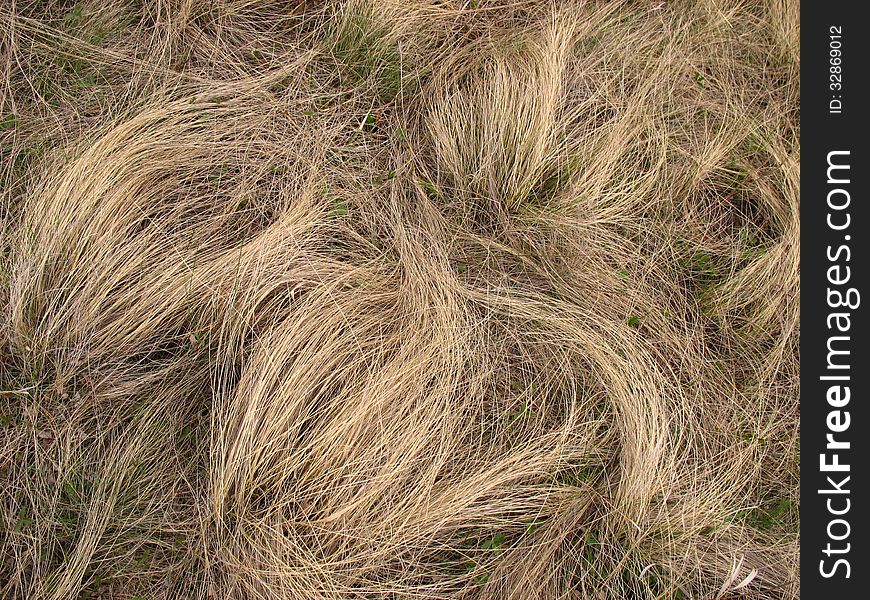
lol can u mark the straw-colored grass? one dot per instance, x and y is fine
(406, 300)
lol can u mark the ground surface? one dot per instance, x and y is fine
(474, 299)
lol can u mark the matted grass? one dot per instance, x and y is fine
(409, 300)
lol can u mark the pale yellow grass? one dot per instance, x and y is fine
(399, 300)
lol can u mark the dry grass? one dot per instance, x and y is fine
(399, 300)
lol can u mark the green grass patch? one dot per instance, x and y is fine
(362, 48)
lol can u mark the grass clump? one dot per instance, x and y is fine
(399, 300)
(363, 48)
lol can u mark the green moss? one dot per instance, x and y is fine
(777, 514)
(339, 207)
(8, 121)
